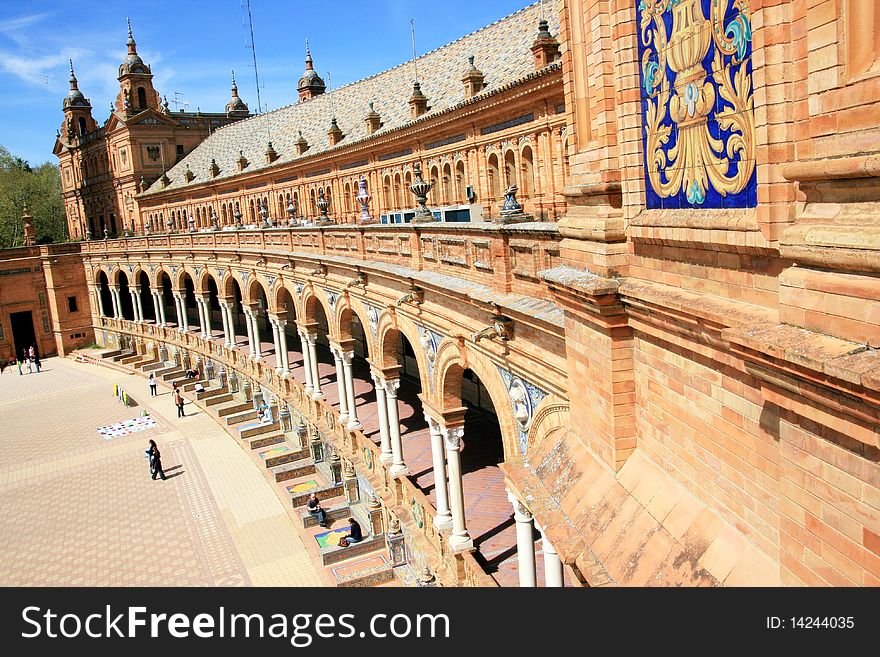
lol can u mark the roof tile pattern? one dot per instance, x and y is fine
(501, 50)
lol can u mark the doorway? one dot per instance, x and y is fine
(22, 331)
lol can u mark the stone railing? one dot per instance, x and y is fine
(506, 258)
(399, 496)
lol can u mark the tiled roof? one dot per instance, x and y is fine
(502, 52)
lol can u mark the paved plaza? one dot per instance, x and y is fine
(79, 509)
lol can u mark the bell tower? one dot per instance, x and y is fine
(77, 111)
(310, 84)
(136, 92)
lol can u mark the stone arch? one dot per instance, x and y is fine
(551, 415)
(96, 274)
(202, 282)
(449, 368)
(309, 298)
(180, 280)
(230, 279)
(345, 308)
(114, 275)
(254, 287)
(390, 324)
(277, 299)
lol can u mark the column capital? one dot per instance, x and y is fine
(521, 512)
(392, 386)
(452, 438)
(347, 356)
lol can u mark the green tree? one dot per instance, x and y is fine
(40, 189)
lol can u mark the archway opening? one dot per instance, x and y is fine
(125, 301)
(106, 298)
(166, 294)
(146, 297)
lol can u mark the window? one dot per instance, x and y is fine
(180, 149)
(71, 305)
(142, 98)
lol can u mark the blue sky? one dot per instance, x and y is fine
(193, 46)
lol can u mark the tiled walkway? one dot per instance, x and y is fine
(487, 509)
(82, 510)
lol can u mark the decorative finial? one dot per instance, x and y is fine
(128, 20)
(72, 76)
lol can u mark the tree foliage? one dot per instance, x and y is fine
(40, 189)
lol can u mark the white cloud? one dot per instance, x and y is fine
(17, 30)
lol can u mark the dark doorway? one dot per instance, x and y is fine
(22, 331)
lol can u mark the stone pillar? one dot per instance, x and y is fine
(225, 320)
(139, 306)
(114, 300)
(525, 541)
(282, 343)
(374, 511)
(443, 517)
(246, 390)
(183, 312)
(313, 358)
(250, 332)
(353, 422)
(177, 311)
(307, 363)
(398, 467)
(200, 307)
(134, 308)
(350, 483)
(255, 332)
(460, 540)
(156, 303)
(101, 309)
(386, 457)
(161, 308)
(340, 385)
(317, 447)
(335, 466)
(284, 417)
(230, 321)
(276, 342)
(396, 544)
(553, 576)
(207, 303)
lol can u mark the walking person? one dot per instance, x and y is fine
(178, 401)
(19, 367)
(37, 360)
(27, 359)
(156, 461)
(153, 384)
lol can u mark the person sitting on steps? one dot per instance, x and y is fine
(355, 535)
(315, 509)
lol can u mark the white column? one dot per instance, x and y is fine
(282, 343)
(443, 517)
(183, 312)
(102, 310)
(200, 307)
(459, 540)
(340, 385)
(161, 308)
(525, 542)
(179, 310)
(398, 467)
(386, 456)
(156, 303)
(276, 341)
(313, 359)
(134, 308)
(114, 300)
(208, 327)
(552, 563)
(139, 305)
(228, 326)
(307, 362)
(258, 347)
(224, 322)
(353, 422)
(249, 325)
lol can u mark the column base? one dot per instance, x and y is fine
(355, 425)
(443, 522)
(317, 395)
(386, 459)
(279, 371)
(399, 470)
(286, 374)
(461, 543)
(343, 419)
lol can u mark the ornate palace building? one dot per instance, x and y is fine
(103, 168)
(600, 291)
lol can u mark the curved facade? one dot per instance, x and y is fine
(677, 382)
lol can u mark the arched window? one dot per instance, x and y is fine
(510, 172)
(347, 197)
(142, 98)
(435, 190)
(253, 214)
(82, 126)
(447, 177)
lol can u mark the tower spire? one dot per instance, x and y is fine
(132, 45)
